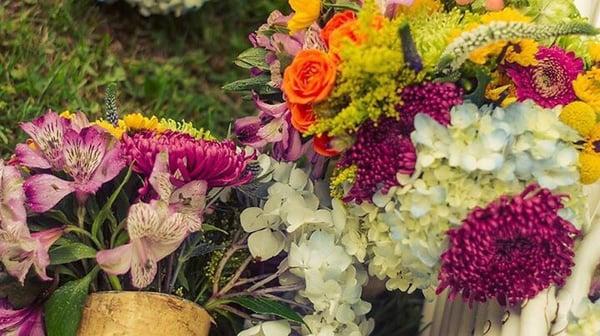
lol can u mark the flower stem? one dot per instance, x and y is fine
(115, 283)
(350, 6)
(72, 228)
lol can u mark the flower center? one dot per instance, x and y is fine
(549, 79)
(507, 248)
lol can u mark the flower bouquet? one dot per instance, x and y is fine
(457, 144)
(127, 225)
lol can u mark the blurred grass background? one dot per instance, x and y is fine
(61, 54)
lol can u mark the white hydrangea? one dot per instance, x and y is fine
(323, 248)
(586, 321)
(177, 7)
(484, 154)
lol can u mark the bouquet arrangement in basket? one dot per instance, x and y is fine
(450, 147)
(120, 207)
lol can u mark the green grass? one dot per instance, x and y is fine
(61, 54)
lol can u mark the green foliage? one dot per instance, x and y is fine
(64, 309)
(70, 251)
(269, 307)
(61, 54)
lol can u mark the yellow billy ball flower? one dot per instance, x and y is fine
(306, 13)
(587, 88)
(594, 50)
(579, 116)
(589, 167)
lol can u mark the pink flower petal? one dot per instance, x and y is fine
(29, 158)
(160, 179)
(12, 201)
(116, 261)
(45, 191)
(17, 256)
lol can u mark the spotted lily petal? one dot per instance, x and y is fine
(154, 234)
(45, 191)
(12, 201)
(116, 261)
(47, 133)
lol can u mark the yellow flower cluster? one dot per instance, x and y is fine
(340, 178)
(594, 51)
(579, 116)
(421, 6)
(587, 87)
(522, 51)
(583, 118)
(137, 122)
(370, 76)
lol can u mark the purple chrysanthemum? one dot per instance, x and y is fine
(434, 99)
(510, 250)
(219, 163)
(549, 83)
(381, 151)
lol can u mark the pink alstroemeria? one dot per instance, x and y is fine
(278, 43)
(46, 146)
(188, 200)
(272, 125)
(90, 157)
(21, 322)
(154, 233)
(19, 249)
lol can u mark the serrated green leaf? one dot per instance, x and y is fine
(64, 309)
(69, 252)
(269, 307)
(253, 58)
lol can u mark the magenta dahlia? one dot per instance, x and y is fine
(219, 163)
(510, 250)
(380, 152)
(434, 99)
(550, 82)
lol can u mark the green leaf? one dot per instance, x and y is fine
(269, 307)
(64, 309)
(258, 84)
(253, 58)
(107, 208)
(209, 228)
(69, 252)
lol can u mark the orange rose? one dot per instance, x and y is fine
(303, 117)
(349, 32)
(346, 33)
(336, 21)
(310, 77)
(322, 145)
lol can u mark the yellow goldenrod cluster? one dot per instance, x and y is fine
(370, 76)
(341, 177)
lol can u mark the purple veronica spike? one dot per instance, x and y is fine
(89, 157)
(22, 322)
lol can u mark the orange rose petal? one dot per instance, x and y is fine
(322, 145)
(310, 78)
(302, 117)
